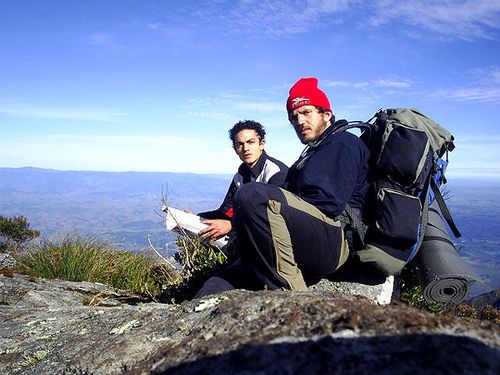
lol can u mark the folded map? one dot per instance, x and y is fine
(180, 221)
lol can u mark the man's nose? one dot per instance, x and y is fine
(300, 118)
(298, 123)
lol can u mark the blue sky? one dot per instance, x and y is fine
(155, 85)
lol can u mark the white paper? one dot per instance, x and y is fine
(190, 223)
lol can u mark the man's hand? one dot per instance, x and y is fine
(216, 228)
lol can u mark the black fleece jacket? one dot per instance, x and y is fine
(331, 172)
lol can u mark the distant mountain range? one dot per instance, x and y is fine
(124, 207)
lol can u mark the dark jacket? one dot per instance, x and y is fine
(268, 170)
(331, 172)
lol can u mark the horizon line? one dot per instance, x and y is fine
(465, 173)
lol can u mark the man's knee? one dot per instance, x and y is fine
(254, 194)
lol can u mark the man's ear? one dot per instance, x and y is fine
(327, 116)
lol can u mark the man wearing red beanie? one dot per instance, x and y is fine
(290, 237)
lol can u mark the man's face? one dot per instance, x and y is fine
(248, 146)
(309, 123)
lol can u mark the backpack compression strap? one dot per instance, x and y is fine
(424, 219)
(444, 209)
(440, 238)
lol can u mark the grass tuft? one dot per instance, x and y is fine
(83, 258)
(77, 258)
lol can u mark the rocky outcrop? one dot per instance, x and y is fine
(57, 327)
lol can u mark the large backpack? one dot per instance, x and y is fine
(409, 156)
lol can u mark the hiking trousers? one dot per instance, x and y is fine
(284, 241)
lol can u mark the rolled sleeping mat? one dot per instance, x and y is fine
(444, 276)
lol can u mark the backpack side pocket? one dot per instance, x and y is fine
(403, 158)
(397, 217)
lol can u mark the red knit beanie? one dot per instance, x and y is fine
(306, 92)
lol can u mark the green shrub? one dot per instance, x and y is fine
(77, 258)
(197, 261)
(15, 233)
(412, 295)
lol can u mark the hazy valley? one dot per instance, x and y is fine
(119, 207)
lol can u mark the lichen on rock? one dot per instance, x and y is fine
(47, 329)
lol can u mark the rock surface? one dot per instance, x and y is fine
(7, 261)
(58, 327)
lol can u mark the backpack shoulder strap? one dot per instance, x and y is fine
(349, 215)
(352, 125)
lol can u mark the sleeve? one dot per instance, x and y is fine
(276, 171)
(278, 178)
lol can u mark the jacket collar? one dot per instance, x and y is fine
(247, 173)
(331, 129)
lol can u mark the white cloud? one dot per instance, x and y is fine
(477, 85)
(475, 151)
(283, 17)
(263, 18)
(462, 19)
(155, 26)
(496, 75)
(220, 106)
(480, 85)
(377, 83)
(479, 139)
(471, 94)
(475, 172)
(467, 20)
(207, 115)
(105, 41)
(119, 140)
(260, 106)
(85, 114)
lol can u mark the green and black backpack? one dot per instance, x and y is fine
(409, 156)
